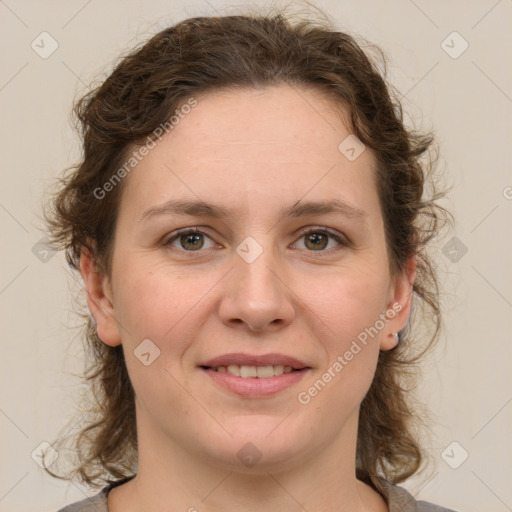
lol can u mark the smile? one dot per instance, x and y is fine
(253, 381)
(254, 375)
(260, 372)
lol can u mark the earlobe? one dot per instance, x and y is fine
(99, 299)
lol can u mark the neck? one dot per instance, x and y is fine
(177, 478)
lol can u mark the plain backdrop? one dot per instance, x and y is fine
(465, 94)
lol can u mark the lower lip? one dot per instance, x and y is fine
(254, 387)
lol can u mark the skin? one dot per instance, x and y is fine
(251, 151)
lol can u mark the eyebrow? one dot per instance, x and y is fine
(203, 209)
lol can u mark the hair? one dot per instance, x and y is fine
(232, 52)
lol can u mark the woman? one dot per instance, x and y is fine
(250, 220)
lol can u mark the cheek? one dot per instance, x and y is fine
(153, 303)
(352, 348)
(352, 302)
(352, 307)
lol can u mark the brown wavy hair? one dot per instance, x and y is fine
(253, 50)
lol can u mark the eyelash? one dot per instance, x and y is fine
(324, 231)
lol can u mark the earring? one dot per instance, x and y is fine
(397, 336)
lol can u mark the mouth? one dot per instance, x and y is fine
(255, 376)
(259, 372)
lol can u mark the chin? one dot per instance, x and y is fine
(253, 458)
(258, 445)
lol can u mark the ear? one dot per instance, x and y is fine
(99, 299)
(399, 304)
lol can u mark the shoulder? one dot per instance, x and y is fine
(400, 500)
(96, 503)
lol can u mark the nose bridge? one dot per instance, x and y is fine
(256, 294)
(258, 279)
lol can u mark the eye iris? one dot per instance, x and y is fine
(191, 237)
(319, 240)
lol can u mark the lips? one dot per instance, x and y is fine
(240, 359)
(254, 377)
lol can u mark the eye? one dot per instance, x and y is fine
(190, 240)
(317, 239)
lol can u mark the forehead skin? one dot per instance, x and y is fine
(254, 151)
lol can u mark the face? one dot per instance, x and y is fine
(259, 284)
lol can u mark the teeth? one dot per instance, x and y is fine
(248, 371)
(234, 370)
(261, 372)
(264, 372)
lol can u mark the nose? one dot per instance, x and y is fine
(257, 295)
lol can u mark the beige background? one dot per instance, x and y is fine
(468, 100)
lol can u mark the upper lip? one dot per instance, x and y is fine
(255, 360)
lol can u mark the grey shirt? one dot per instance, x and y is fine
(397, 498)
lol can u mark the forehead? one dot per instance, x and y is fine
(247, 146)
(283, 120)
